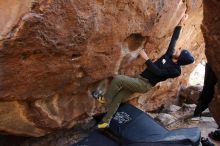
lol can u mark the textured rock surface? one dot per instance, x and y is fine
(190, 95)
(165, 119)
(58, 51)
(11, 13)
(211, 27)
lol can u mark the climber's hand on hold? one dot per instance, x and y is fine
(139, 49)
(143, 54)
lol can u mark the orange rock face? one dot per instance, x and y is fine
(11, 13)
(211, 27)
(58, 51)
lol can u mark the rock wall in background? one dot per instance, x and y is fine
(54, 52)
(211, 27)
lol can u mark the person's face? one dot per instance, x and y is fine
(177, 53)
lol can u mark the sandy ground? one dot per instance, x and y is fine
(206, 124)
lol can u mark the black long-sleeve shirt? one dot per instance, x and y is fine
(164, 67)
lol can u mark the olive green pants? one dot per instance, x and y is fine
(120, 89)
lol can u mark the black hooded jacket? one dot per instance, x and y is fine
(164, 67)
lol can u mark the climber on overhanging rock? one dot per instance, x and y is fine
(167, 66)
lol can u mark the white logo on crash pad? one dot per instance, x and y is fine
(163, 61)
(122, 117)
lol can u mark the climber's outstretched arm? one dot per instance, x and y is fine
(175, 36)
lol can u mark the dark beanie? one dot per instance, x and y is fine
(185, 58)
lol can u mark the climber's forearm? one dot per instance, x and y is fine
(143, 54)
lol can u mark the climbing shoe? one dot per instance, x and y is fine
(215, 135)
(103, 125)
(98, 96)
(206, 142)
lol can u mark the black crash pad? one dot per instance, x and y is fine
(156, 144)
(132, 127)
(97, 138)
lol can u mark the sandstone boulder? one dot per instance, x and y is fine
(54, 52)
(190, 94)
